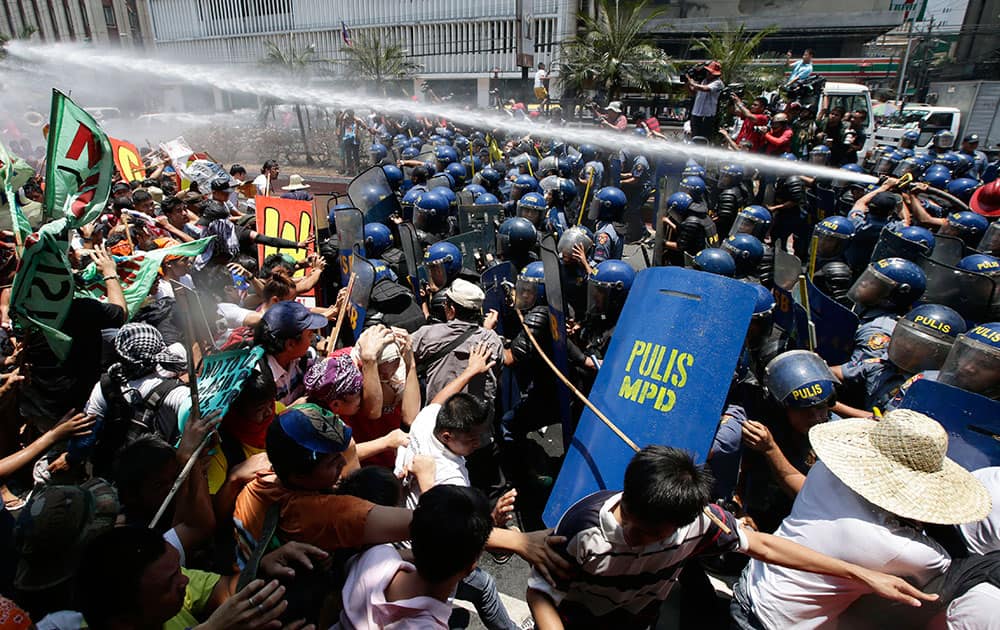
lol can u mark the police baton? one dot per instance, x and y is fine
(804, 298)
(597, 412)
(586, 193)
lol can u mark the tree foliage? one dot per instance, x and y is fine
(736, 49)
(613, 52)
(372, 59)
(293, 62)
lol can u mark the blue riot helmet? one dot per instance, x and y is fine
(409, 153)
(558, 190)
(490, 177)
(639, 131)
(938, 176)
(450, 195)
(523, 185)
(486, 199)
(457, 172)
(382, 271)
(431, 210)
(715, 260)
(530, 289)
(755, 220)
(923, 337)
(532, 207)
(378, 238)
(377, 152)
(461, 144)
(408, 201)
(833, 234)
(474, 190)
(549, 165)
(905, 153)
(966, 225)
(965, 164)
(516, 238)
(913, 243)
(791, 157)
(762, 321)
(820, 154)
(472, 165)
(907, 165)
(693, 169)
(393, 175)
(608, 204)
(575, 236)
(400, 140)
(607, 288)
(943, 140)
(973, 363)
(909, 139)
(852, 168)
(694, 186)
(747, 252)
(588, 153)
(800, 379)
(526, 164)
(730, 175)
(445, 155)
(891, 283)
(446, 133)
(435, 139)
(568, 167)
(963, 187)
(416, 142)
(443, 261)
(981, 263)
(886, 163)
(949, 160)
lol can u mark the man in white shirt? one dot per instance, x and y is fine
(265, 181)
(706, 101)
(542, 87)
(864, 502)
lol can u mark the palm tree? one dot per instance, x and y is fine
(372, 59)
(612, 52)
(736, 50)
(294, 62)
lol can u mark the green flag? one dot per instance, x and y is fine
(137, 273)
(17, 219)
(43, 287)
(79, 164)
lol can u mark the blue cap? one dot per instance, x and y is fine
(317, 429)
(288, 319)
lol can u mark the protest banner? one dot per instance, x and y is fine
(79, 164)
(127, 160)
(43, 287)
(222, 376)
(289, 219)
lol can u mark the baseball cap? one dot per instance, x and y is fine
(615, 106)
(222, 184)
(213, 211)
(120, 187)
(55, 526)
(972, 138)
(190, 196)
(465, 294)
(288, 319)
(884, 201)
(315, 428)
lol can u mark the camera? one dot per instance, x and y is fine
(806, 89)
(697, 73)
(732, 90)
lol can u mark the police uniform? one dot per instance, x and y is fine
(555, 221)
(728, 203)
(696, 232)
(791, 221)
(881, 379)
(608, 242)
(871, 341)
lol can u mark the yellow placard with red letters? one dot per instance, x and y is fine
(290, 219)
(127, 160)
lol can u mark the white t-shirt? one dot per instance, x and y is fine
(262, 184)
(976, 609)
(449, 469)
(832, 519)
(540, 77)
(365, 606)
(705, 103)
(984, 536)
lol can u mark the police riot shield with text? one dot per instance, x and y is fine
(371, 193)
(972, 421)
(971, 294)
(822, 201)
(790, 317)
(835, 325)
(549, 254)
(361, 292)
(350, 224)
(497, 282)
(664, 378)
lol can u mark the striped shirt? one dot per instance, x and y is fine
(614, 575)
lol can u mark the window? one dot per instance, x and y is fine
(84, 19)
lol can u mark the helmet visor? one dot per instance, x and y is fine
(972, 366)
(915, 348)
(530, 213)
(437, 274)
(871, 288)
(527, 293)
(749, 225)
(990, 242)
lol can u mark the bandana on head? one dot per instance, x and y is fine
(141, 349)
(226, 242)
(333, 378)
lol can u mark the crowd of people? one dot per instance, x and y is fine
(356, 479)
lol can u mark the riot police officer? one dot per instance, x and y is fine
(747, 252)
(731, 197)
(559, 194)
(789, 211)
(696, 230)
(516, 241)
(833, 276)
(754, 220)
(608, 207)
(443, 261)
(431, 212)
(521, 186)
(973, 363)
(966, 225)
(886, 289)
(575, 247)
(715, 260)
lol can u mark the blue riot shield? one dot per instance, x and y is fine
(497, 282)
(835, 325)
(412, 254)
(791, 318)
(549, 254)
(822, 201)
(613, 176)
(971, 294)
(972, 421)
(664, 379)
(350, 224)
(371, 193)
(891, 245)
(364, 280)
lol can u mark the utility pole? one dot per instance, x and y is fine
(906, 61)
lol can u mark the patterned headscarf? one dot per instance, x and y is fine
(333, 378)
(141, 348)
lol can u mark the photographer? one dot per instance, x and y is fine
(706, 99)
(754, 120)
(777, 139)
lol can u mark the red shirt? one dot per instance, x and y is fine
(751, 135)
(777, 144)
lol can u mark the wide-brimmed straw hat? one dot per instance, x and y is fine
(295, 182)
(899, 464)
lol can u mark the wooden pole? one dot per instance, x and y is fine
(331, 341)
(586, 193)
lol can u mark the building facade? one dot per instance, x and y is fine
(112, 22)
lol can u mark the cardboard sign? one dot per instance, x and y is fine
(289, 219)
(127, 160)
(222, 377)
(664, 379)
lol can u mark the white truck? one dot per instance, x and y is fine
(979, 104)
(852, 97)
(927, 119)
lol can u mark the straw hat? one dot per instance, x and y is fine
(899, 464)
(295, 183)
